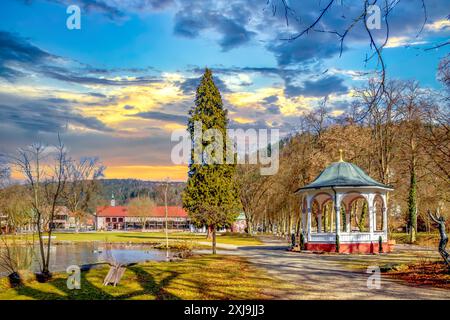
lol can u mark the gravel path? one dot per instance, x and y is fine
(331, 276)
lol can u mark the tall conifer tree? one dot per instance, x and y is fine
(210, 196)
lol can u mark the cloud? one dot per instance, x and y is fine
(41, 117)
(115, 9)
(304, 51)
(273, 109)
(229, 22)
(439, 25)
(17, 56)
(318, 88)
(69, 76)
(271, 99)
(234, 34)
(394, 42)
(189, 85)
(157, 115)
(128, 107)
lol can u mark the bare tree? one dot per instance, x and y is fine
(317, 120)
(141, 207)
(82, 184)
(16, 209)
(44, 170)
(5, 172)
(435, 141)
(444, 71)
(413, 108)
(253, 189)
(382, 118)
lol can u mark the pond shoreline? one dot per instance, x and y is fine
(88, 254)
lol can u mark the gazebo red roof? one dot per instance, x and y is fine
(159, 211)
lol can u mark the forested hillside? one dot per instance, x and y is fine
(126, 189)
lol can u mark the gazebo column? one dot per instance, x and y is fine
(385, 217)
(337, 209)
(308, 219)
(347, 219)
(369, 199)
(303, 211)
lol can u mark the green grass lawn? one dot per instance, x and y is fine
(152, 237)
(200, 277)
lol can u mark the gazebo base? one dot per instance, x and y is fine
(363, 247)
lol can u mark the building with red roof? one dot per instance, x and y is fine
(119, 218)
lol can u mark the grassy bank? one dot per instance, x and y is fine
(150, 237)
(425, 239)
(200, 277)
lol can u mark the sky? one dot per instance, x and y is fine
(117, 87)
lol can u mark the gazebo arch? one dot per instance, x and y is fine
(341, 184)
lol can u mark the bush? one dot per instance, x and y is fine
(302, 241)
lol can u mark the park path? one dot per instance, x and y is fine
(330, 276)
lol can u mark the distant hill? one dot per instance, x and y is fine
(126, 189)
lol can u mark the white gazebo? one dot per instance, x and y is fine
(330, 205)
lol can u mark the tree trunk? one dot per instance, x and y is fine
(298, 226)
(214, 239)
(249, 227)
(412, 206)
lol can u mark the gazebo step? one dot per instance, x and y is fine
(349, 247)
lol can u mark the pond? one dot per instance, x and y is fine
(62, 256)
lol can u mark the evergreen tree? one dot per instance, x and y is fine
(344, 218)
(210, 196)
(362, 220)
(412, 207)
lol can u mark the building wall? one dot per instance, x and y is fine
(154, 223)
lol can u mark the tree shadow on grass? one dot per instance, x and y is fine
(89, 291)
(151, 286)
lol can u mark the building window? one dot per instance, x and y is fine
(108, 219)
(114, 219)
(120, 219)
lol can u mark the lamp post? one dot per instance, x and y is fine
(167, 213)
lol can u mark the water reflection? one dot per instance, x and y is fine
(62, 256)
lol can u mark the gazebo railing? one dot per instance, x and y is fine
(330, 237)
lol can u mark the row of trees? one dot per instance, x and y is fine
(400, 137)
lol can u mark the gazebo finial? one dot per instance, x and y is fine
(341, 155)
